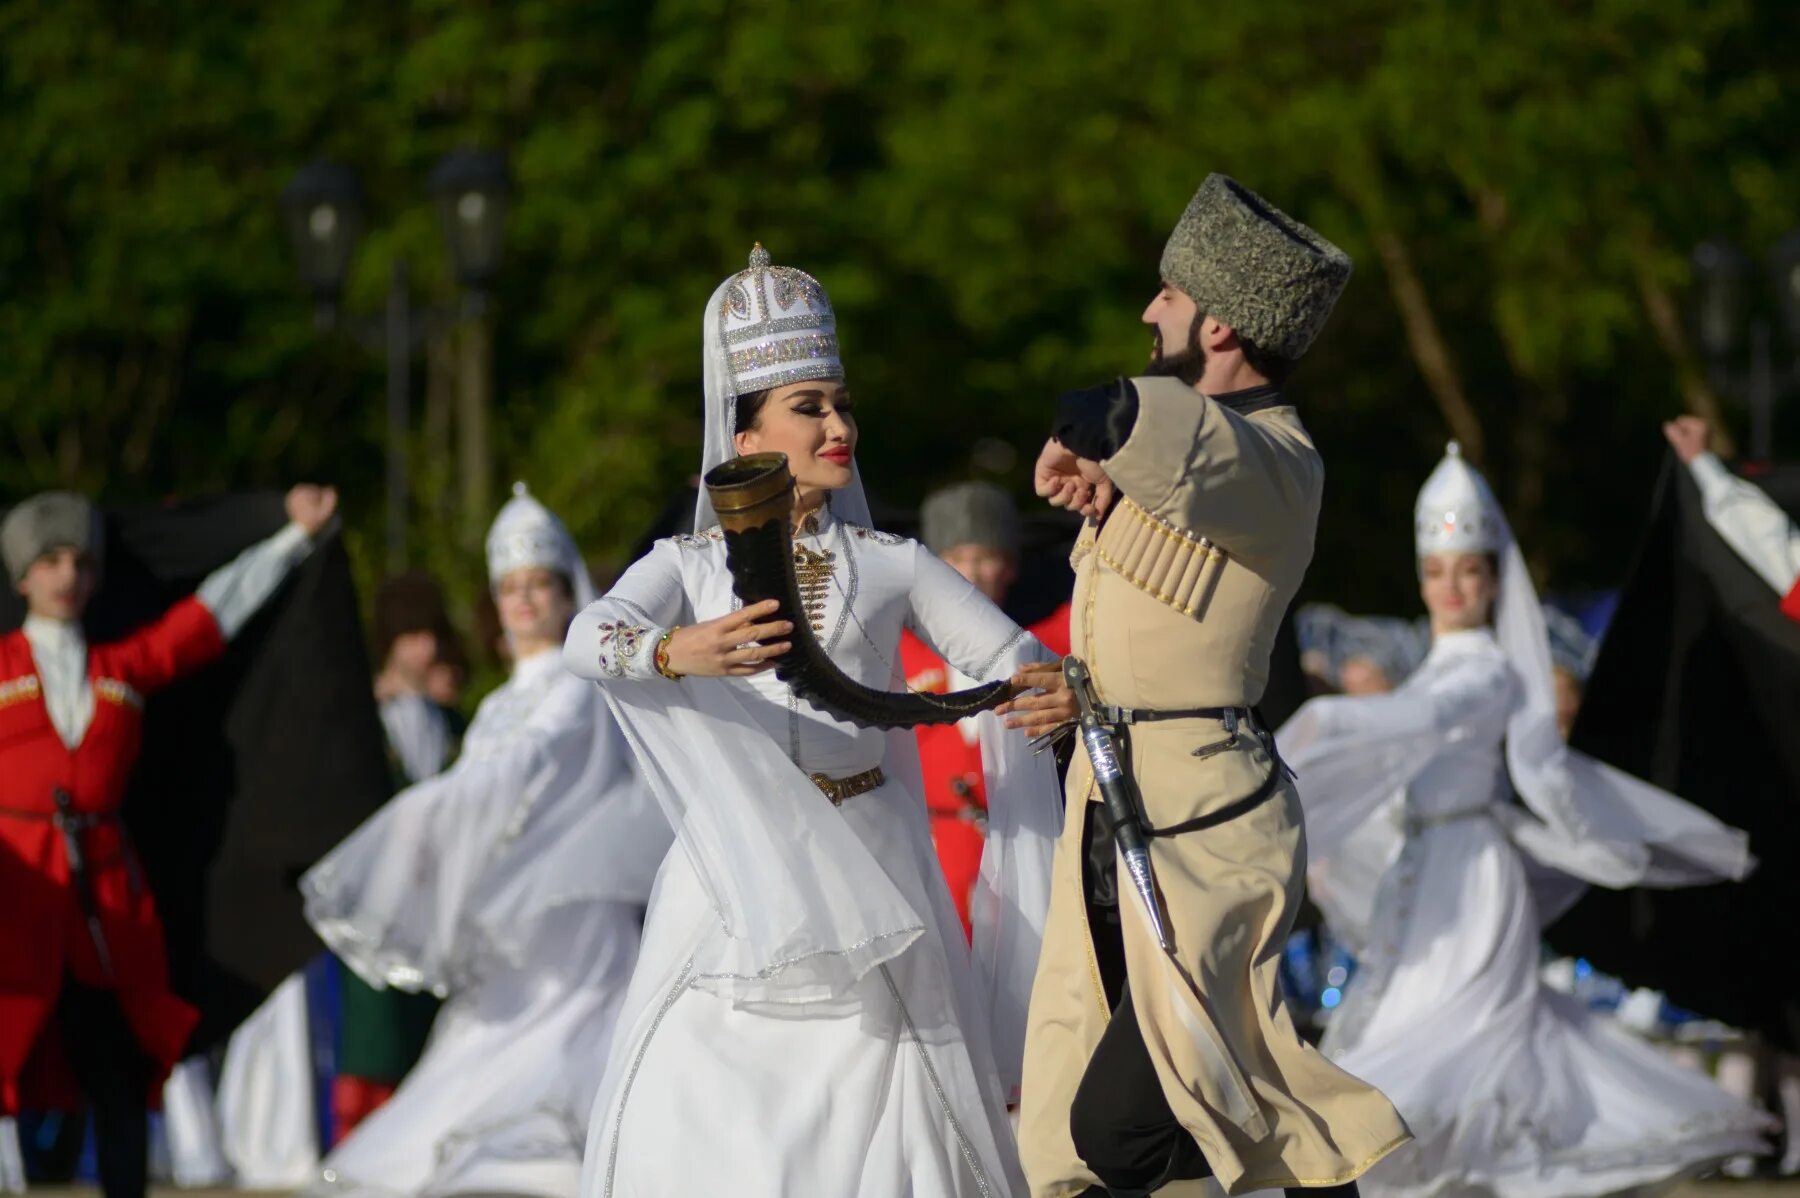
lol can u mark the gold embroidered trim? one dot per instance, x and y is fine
(112, 690)
(1159, 559)
(19, 690)
(812, 575)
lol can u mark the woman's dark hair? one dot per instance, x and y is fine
(749, 407)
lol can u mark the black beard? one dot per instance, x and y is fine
(1188, 365)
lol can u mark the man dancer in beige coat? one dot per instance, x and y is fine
(1145, 1070)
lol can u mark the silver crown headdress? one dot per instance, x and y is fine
(777, 326)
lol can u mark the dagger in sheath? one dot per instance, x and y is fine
(1116, 792)
(70, 823)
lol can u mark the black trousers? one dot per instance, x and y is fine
(1121, 1122)
(114, 1075)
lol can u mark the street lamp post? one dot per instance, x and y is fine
(323, 210)
(1724, 310)
(471, 188)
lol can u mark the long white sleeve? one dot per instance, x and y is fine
(1354, 753)
(963, 625)
(235, 591)
(1750, 522)
(615, 637)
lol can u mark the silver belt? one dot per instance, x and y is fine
(1421, 823)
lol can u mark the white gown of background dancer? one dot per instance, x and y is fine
(806, 1018)
(513, 885)
(1421, 859)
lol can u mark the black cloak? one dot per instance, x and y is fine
(1697, 689)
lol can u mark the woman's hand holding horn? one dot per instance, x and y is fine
(728, 645)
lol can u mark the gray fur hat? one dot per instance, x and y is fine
(971, 513)
(44, 522)
(1253, 267)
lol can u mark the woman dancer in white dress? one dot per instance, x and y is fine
(805, 1018)
(513, 885)
(1441, 883)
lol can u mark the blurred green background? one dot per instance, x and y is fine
(983, 188)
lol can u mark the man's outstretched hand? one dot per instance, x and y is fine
(1070, 482)
(1689, 436)
(311, 506)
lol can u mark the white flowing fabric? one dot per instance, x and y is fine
(1510, 1088)
(191, 1133)
(426, 894)
(513, 884)
(266, 1114)
(12, 1160)
(499, 1100)
(805, 1018)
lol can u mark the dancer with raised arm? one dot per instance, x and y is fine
(84, 975)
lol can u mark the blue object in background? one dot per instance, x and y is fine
(324, 1007)
(1315, 969)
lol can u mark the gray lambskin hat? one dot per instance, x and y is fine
(969, 514)
(1251, 266)
(45, 522)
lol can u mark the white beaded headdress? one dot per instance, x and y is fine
(777, 326)
(1457, 512)
(526, 534)
(766, 326)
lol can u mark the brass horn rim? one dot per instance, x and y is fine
(748, 490)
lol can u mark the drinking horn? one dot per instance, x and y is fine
(754, 497)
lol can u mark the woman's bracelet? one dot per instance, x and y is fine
(661, 656)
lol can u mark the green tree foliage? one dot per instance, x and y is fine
(983, 188)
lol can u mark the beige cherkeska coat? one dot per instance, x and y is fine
(1178, 596)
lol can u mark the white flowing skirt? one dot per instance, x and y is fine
(1510, 1088)
(498, 1103)
(877, 1094)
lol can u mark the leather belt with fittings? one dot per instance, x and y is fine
(1126, 716)
(840, 790)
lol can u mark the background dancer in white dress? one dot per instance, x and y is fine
(512, 885)
(1441, 883)
(805, 1019)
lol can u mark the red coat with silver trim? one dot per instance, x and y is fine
(44, 933)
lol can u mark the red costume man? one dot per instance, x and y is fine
(85, 1003)
(975, 528)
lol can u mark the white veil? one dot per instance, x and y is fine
(1594, 822)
